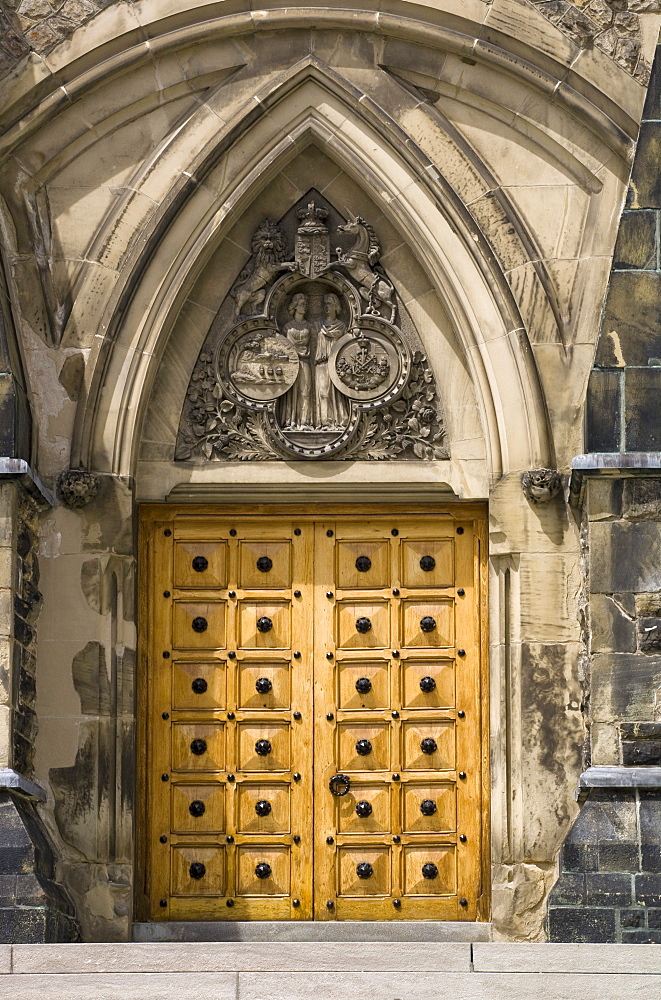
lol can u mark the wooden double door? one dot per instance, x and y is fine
(314, 704)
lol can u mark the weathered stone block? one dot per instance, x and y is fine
(641, 499)
(631, 326)
(643, 936)
(569, 890)
(642, 425)
(636, 241)
(623, 685)
(619, 857)
(581, 924)
(608, 889)
(625, 556)
(650, 818)
(645, 178)
(603, 411)
(632, 918)
(604, 498)
(613, 628)
(648, 889)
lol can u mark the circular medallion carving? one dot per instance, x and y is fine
(259, 362)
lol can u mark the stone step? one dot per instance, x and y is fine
(330, 971)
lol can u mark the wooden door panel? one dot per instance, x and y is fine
(264, 684)
(197, 808)
(430, 807)
(364, 871)
(366, 809)
(263, 807)
(363, 624)
(197, 685)
(430, 870)
(429, 745)
(197, 870)
(381, 617)
(263, 624)
(363, 564)
(427, 623)
(427, 562)
(198, 746)
(363, 684)
(198, 625)
(428, 683)
(264, 565)
(363, 746)
(200, 564)
(263, 870)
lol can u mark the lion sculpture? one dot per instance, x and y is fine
(269, 247)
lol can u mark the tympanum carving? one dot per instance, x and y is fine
(312, 358)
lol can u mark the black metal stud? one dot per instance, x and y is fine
(394, 532)
(229, 902)
(199, 624)
(395, 777)
(363, 564)
(363, 685)
(463, 901)
(297, 593)
(263, 748)
(461, 592)
(163, 902)
(329, 533)
(462, 775)
(461, 714)
(163, 839)
(296, 838)
(263, 870)
(427, 564)
(165, 716)
(329, 656)
(461, 652)
(295, 903)
(395, 654)
(165, 777)
(231, 593)
(395, 592)
(264, 564)
(460, 531)
(263, 808)
(395, 714)
(428, 745)
(463, 838)
(166, 655)
(233, 532)
(198, 747)
(364, 869)
(329, 716)
(296, 776)
(427, 807)
(428, 624)
(263, 685)
(330, 840)
(200, 563)
(166, 593)
(363, 748)
(229, 839)
(397, 903)
(197, 808)
(427, 684)
(363, 625)
(429, 870)
(297, 716)
(330, 905)
(363, 809)
(230, 715)
(232, 656)
(297, 655)
(264, 624)
(167, 532)
(197, 870)
(396, 839)
(329, 595)
(231, 778)
(199, 685)
(297, 531)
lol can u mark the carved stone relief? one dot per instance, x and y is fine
(312, 358)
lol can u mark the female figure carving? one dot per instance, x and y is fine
(297, 403)
(332, 409)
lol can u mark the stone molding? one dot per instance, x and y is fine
(18, 468)
(613, 776)
(15, 782)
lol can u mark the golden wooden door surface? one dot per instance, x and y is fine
(243, 617)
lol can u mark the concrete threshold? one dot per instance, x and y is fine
(319, 931)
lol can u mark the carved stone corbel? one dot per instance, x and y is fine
(541, 485)
(77, 487)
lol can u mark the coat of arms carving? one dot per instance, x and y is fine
(308, 357)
